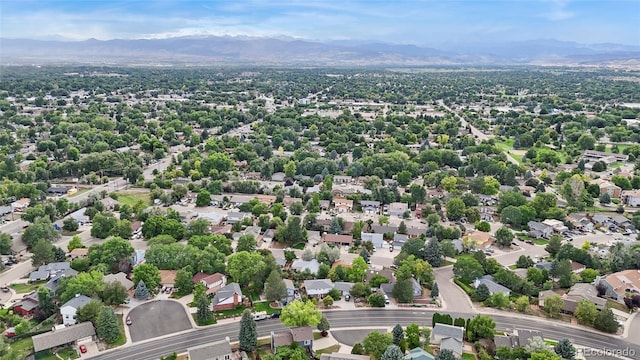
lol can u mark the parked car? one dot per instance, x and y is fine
(347, 297)
(275, 315)
(5, 289)
(129, 321)
(83, 349)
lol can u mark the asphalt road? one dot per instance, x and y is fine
(157, 318)
(154, 349)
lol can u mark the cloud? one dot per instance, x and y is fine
(558, 11)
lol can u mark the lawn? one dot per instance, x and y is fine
(66, 353)
(540, 241)
(26, 288)
(132, 198)
(467, 356)
(81, 191)
(23, 347)
(223, 314)
(210, 322)
(507, 146)
(299, 246)
(468, 289)
(550, 342)
(616, 305)
(329, 350)
(264, 306)
(446, 263)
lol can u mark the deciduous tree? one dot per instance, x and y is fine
(300, 313)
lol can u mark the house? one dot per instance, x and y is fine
(607, 187)
(370, 207)
(217, 350)
(120, 278)
(543, 295)
(600, 155)
(109, 203)
(27, 306)
(287, 201)
(383, 229)
(291, 290)
(69, 309)
(416, 232)
(376, 239)
(236, 217)
(269, 235)
(301, 265)
(620, 283)
(21, 204)
(579, 292)
(266, 199)
(335, 239)
(80, 217)
(621, 221)
(418, 354)
(212, 282)
(397, 209)
(600, 220)
(399, 240)
(631, 197)
(417, 288)
(343, 287)
(47, 271)
(76, 334)
(303, 335)
(319, 288)
(491, 284)
(168, 278)
(342, 205)
(78, 253)
(525, 336)
(313, 237)
(278, 177)
(324, 204)
(448, 337)
(557, 225)
(58, 190)
(539, 230)
(137, 258)
(5, 210)
(228, 297)
(479, 239)
(341, 179)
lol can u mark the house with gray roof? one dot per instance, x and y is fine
(218, 350)
(120, 278)
(376, 239)
(235, 217)
(524, 336)
(383, 229)
(343, 287)
(448, 337)
(539, 230)
(80, 217)
(320, 287)
(370, 207)
(301, 265)
(69, 309)
(67, 335)
(227, 297)
(492, 285)
(303, 335)
(47, 271)
(398, 241)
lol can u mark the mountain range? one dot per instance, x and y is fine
(239, 50)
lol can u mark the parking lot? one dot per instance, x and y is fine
(157, 318)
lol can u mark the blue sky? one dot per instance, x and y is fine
(421, 22)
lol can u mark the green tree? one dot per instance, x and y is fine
(90, 312)
(70, 224)
(606, 321)
(413, 336)
(565, 349)
(300, 313)
(522, 303)
(468, 269)
(203, 313)
(6, 242)
(75, 243)
(588, 275)
(357, 349)
(102, 225)
(148, 273)
(553, 305)
(244, 266)
(376, 343)
(296, 208)
(247, 243)
(435, 291)
(482, 293)
(89, 284)
(433, 253)
(404, 177)
(114, 293)
(393, 352)
(358, 269)
(483, 226)
(42, 253)
(455, 209)
(524, 262)
(481, 327)
(324, 325)
(248, 335)
(114, 253)
(107, 327)
(445, 354)
(504, 236)
(41, 229)
(398, 334)
(292, 233)
(544, 355)
(553, 247)
(275, 288)
(183, 283)
(290, 169)
(203, 198)
(45, 301)
(376, 300)
(142, 293)
(403, 291)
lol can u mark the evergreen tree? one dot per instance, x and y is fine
(606, 321)
(433, 253)
(392, 352)
(398, 334)
(357, 349)
(204, 314)
(435, 291)
(324, 325)
(248, 336)
(482, 293)
(565, 349)
(142, 293)
(107, 326)
(274, 288)
(445, 354)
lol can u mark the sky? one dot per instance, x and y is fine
(418, 22)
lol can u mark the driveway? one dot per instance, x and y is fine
(350, 337)
(157, 318)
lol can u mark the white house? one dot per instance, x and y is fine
(70, 308)
(631, 197)
(318, 287)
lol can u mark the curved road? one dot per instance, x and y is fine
(154, 349)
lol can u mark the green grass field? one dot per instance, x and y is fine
(264, 306)
(132, 198)
(26, 288)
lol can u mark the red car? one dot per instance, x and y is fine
(83, 349)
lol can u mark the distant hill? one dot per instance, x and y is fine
(219, 50)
